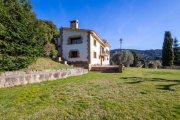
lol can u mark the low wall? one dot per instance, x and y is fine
(8, 79)
(171, 67)
(105, 68)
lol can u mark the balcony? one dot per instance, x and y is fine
(102, 54)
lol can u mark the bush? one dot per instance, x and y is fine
(9, 63)
(50, 50)
(54, 52)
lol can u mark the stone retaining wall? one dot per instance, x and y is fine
(107, 69)
(8, 79)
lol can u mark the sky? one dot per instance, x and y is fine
(140, 23)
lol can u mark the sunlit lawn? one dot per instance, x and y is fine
(135, 94)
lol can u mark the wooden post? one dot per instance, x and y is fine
(120, 68)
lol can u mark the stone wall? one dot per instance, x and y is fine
(105, 69)
(9, 79)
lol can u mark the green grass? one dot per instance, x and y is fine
(135, 94)
(45, 63)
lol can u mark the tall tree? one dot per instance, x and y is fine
(21, 38)
(167, 50)
(176, 49)
(135, 62)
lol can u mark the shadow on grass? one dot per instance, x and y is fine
(137, 80)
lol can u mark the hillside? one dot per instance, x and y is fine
(144, 54)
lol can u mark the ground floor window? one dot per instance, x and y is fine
(74, 54)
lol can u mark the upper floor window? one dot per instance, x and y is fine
(102, 50)
(75, 40)
(94, 42)
(107, 52)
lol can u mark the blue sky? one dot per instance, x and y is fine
(140, 23)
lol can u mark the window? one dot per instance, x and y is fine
(102, 50)
(107, 52)
(75, 40)
(94, 54)
(74, 54)
(94, 42)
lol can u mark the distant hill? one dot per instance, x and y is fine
(144, 54)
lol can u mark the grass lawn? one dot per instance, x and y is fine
(135, 94)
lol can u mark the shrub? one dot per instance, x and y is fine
(9, 63)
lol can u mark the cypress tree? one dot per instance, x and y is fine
(176, 49)
(135, 62)
(167, 50)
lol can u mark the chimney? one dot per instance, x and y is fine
(74, 24)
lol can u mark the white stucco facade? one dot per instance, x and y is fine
(92, 50)
(82, 48)
(102, 57)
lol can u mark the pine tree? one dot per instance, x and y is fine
(167, 50)
(176, 49)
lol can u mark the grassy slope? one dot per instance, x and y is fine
(45, 63)
(135, 94)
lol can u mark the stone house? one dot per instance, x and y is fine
(82, 47)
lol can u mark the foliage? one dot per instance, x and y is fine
(124, 57)
(135, 62)
(157, 63)
(176, 49)
(167, 51)
(54, 52)
(137, 94)
(23, 37)
(50, 34)
(144, 54)
(21, 40)
(153, 64)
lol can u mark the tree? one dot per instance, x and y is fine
(135, 62)
(124, 57)
(21, 38)
(50, 32)
(167, 50)
(176, 49)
